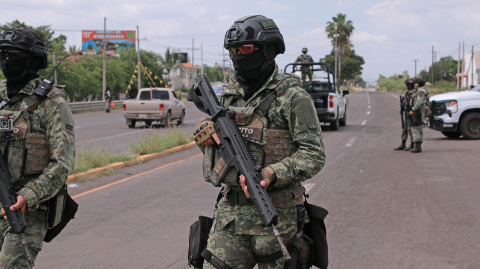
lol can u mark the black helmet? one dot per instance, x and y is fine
(254, 29)
(27, 40)
(304, 50)
(420, 81)
(409, 82)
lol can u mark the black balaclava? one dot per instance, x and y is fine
(19, 72)
(252, 70)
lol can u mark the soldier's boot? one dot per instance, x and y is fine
(402, 146)
(417, 148)
(107, 110)
(410, 147)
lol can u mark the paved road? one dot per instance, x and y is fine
(110, 130)
(388, 209)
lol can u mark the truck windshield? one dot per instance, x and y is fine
(320, 87)
(160, 95)
(145, 95)
(476, 88)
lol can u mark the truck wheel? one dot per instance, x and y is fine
(334, 124)
(168, 120)
(470, 126)
(343, 122)
(148, 123)
(452, 134)
(132, 124)
(181, 120)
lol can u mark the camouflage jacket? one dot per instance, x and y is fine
(293, 110)
(52, 118)
(304, 58)
(418, 99)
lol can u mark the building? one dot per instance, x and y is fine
(183, 76)
(471, 69)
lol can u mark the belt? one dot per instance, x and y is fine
(238, 198)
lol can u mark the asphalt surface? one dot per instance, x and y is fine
(111, 131)
(388, 209)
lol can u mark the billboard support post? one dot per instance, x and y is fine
(138, 60)
(104, 57)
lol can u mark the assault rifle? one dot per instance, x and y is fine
(402, 109)
(235, 153)
(9, 198)
(407, 109)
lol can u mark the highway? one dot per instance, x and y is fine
(388, 209)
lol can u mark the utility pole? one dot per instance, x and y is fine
(55, 74)
(223, 60)
(433, 70)
(458, 68)
(104, 57)
(201, 59)
(138, 61)
(441, 72)
(463, 64)
(193, 60)
(472, 63)
(416, 60)
(336, 49)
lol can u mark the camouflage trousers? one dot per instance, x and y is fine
(304, 76)
(406, 130)
(240, 251)
(417, 133)
(12, 254)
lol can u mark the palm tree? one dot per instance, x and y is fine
(345, 29)
(72, 50)
(168, 63)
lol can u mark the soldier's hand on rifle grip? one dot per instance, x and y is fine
(268, 176)
(21, 204)
(410, 113)
(204, 132)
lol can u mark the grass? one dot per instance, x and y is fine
(150, 141)
(432, 90)
(97, 156)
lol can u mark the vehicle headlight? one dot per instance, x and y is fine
(452, 106)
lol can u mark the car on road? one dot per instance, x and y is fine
(154, 105)
(330, 103)
(218, 91)
(456, 113)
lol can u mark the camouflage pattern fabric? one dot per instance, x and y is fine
(305, 58)
(12, 254)
(418, 102)
(236, 236)
(406, 129)
(52, 119)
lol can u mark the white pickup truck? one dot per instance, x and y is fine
(330, 103)
(456, 113)
(154, 105)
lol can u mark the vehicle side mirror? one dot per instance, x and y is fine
(345, 92)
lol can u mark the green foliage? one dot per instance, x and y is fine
(97, 156)
(184, 90)
(359, 81)
(215, 73)
(445, 69)
(351, 64)
(151, 142)
(392, 84)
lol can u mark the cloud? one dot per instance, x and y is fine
(383, 7)
(370, 38)
(267, 5)
(343, 3)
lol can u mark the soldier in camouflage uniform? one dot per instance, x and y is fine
(47, 127)
(406, 129)
(305, 58)
(292, 150)
(418, 102)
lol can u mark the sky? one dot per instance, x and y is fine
(389, 35)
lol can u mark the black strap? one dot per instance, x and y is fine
(262, 108)
(214, 261)
(270, 257)
(17, 97)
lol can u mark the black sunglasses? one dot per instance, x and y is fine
(11, 54)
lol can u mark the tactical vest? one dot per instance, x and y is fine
(28, 153)
(270, 146)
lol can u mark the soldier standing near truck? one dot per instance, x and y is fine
(305, 58)
(406, 129)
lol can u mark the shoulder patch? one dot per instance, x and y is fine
(306, 116)
(268, 24)
(66, 118)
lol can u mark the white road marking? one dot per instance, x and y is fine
(308, 186)
(364, 130)
(368, 113)
(364, 122)
(369, 107)
(350, 143)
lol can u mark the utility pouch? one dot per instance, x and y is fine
(316, 230)
(69, 211)
(198, 237)
(55, 209)
(17, 157)
(301, 251)
(417, 119)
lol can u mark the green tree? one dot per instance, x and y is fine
(359, 81)
(344, 29)
(351, 66)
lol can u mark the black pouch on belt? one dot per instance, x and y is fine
(69, 211)
(315, 229)
(417, 118)
(198, 237)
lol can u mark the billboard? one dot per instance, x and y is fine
(117, 40)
